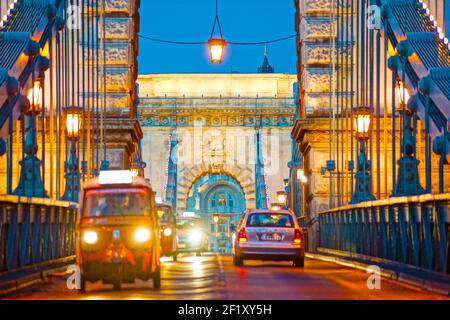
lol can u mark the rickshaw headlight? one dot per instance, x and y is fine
(142, 235)
(90, 237)
(167, 232)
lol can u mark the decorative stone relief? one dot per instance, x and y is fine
(117, 100)
(118, 80)
(316, 54)
(117, 29)
(316, 80)
(117, 53)
(316, 28)
(118, 6)
(310, 7)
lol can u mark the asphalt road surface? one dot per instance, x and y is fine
(214, 277)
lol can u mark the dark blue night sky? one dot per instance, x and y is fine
(192, 20)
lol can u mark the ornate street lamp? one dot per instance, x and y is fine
(30, 182)
(275, 207)
(362, 122)
(71, 167)
(281, 198)
(301, 176)
(408, 174)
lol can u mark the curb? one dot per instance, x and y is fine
(428, 285)
(11, 286)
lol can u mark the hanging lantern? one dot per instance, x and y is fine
(216, 49)
(216, 44)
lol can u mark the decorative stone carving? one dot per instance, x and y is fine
(317, 80)
(312, 7)
(316, 28)
(117, 53)
(118, 80)
(118, 6)
(117, 29)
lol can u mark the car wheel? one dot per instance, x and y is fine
(299, 262)
(157, 279)
(237, 261)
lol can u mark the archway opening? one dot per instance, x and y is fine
(220, 196)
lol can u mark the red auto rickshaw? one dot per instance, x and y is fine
(118, 231)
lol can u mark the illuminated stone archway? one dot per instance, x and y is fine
(188, 175)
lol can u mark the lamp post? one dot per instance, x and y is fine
(216, 219)
(408, 174)
(303, 180)
(363, 188)
(73, 126)
(30, 182)
(216, 45)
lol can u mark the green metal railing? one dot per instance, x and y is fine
(35, 231)
(412, 230)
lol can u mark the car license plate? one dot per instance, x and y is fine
(182, 245)
(270, 237)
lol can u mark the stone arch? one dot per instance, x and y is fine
(188, 175)
(209, 191)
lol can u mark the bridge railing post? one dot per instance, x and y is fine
(382, 213)
(392, 231)
(402, 232)
(367, 233)
(46, 235)
(2, 237)
(23, 214)
(36, 235)
(442, 230)
(375, 225)
(414, 227)
(427, 235)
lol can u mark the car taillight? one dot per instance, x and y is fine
(298, 237)
(242, 235)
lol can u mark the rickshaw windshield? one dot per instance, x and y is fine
(187, 224)
(117, 202)
(165, 215)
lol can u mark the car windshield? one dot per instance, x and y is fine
(117, 202)
(165, 215)
(277, 220)
(186, 224)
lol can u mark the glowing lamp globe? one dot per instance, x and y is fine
(281, 197)
(362, 121)
(216, 49)
(402, 93)
(35, 96)
(73, 122)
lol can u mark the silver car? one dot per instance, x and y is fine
(268, 235)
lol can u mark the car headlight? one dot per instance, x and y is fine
(195, 236)
(142, 235)
(167, 232)
(90, 237)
